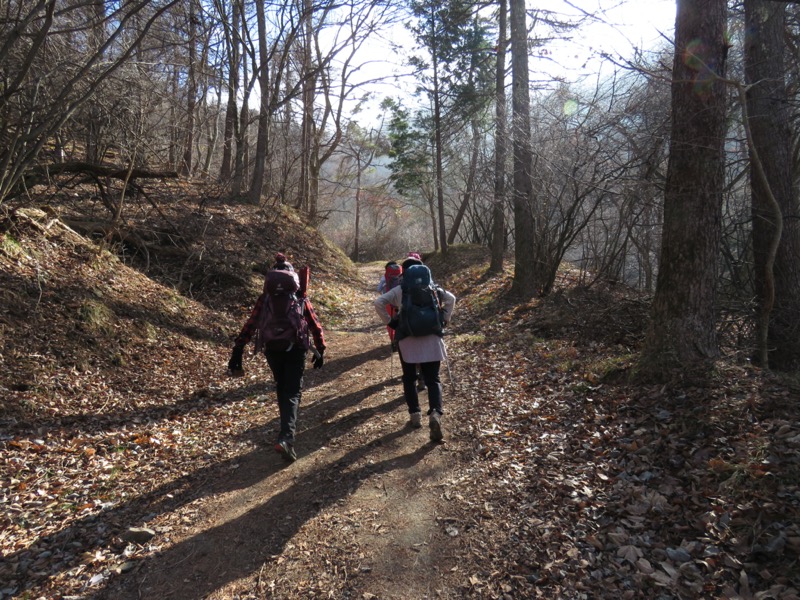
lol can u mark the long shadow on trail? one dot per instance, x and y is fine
(315, 424)
(90, 422)
(97, 530)
(206, 562)
(195, 402)
(348, 363)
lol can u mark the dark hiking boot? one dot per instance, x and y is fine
(286, 450)
(435, 423)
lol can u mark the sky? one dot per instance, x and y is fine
(616, 27)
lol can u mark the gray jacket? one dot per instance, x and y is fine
(427, 348)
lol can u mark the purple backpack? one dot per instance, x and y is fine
(281, 323)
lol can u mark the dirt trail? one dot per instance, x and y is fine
(359, 515)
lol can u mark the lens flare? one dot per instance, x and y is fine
(570, 107)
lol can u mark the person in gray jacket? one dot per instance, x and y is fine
(427, 351)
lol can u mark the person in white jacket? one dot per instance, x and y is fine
(427, 351)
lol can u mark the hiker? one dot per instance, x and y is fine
(391, 278)
(392, 273)
(424, 310)
(413, 258)
(281, 321)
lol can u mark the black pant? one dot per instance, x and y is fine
(430, 375)
(287, 369)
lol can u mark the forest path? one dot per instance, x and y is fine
(359, 515)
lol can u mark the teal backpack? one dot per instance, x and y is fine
(421, 311)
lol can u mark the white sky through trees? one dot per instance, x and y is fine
(617, 28)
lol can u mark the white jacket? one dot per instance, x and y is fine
(427, 348)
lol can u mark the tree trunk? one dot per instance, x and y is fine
(212, 135)
(307, 128)
(191, 92)
(264, 116)
(287, 133)
(172, 155)
(768, 113)
(524, 284)
(237, 183)
(77, 83)
(356, 249)
(437, 134)
(682, 334)
(432, 211)
(94, 129)
(500, 148)
(232, 40)
(314, 170)
(470, 184)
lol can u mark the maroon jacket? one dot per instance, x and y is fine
(314, 326)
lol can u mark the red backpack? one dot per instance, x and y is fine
(281, 323)
(392, 277)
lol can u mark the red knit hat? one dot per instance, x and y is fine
(281, 263)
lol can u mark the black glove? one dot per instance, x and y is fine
(394, 323)
(318, 359)
(235, 363)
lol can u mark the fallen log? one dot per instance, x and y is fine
(123, 174)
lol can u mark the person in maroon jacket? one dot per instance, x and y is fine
(287, 366)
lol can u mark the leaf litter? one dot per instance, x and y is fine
(561, 479)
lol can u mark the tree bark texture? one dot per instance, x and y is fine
(307, 127)
(356, 249)
(191, 93)
(469, 186)
(437, 136)
(524, 284)
(232, 53)
(682, 334)
(500, 146)
(768, 112)
(264, 113)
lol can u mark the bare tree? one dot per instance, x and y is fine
(350, 26)
(525, 284)
(265, 108)
(683, 334)
(358, 154)
(229, 16)
(191, 90)
(38, 45)
(500, 145)
(777, 288)
(631, 122)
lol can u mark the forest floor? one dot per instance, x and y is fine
(133, 467)
(360, 514)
